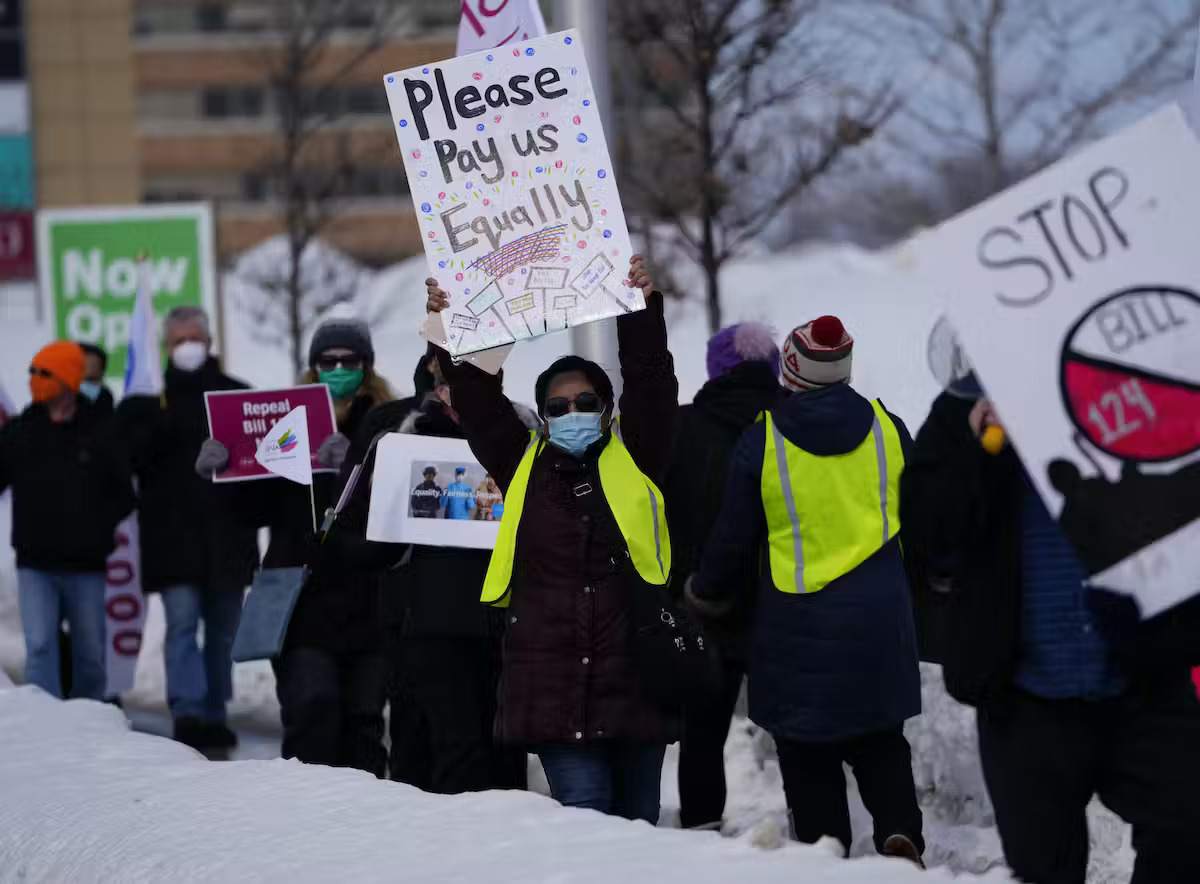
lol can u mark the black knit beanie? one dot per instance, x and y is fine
(351, 334)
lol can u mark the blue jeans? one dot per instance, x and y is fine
(200, 683)
(45, 599)
(621, 779)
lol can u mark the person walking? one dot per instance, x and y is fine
(195, 553)
(1075, 697)
(813, 493)
(743, 372)
(329, 678)
(70, 488)
(583, 527)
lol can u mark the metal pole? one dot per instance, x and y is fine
(596, 341)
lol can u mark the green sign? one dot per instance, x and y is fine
(89, 274)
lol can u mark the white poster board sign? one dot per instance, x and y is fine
(486, 24)
(433, 492)
(124, 607)
(514, 190)
(1075, 294)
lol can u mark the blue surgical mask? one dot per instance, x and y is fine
(575, 431)
(91, 390)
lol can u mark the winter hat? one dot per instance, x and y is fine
(351, 334)
(744, 342)
(817, 354)
(593, 372)
(64, 360)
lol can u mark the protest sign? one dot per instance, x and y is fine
(1075, 295)
(516, 197)
(433, 492)
(241, 419)
(124, 608)
(487, 24)
(88, 271)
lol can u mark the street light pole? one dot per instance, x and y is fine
(596, 341)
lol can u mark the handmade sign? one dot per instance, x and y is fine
(433, 492)
(517, 202)
(1075, 294)
(241, 419)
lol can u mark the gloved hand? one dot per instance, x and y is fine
(213, 458)
(332, 452)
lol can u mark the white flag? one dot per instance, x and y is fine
(143, 365)
(284, 451)
(487, 24)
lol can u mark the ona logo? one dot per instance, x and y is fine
(287, 441)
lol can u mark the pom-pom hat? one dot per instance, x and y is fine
(817, 354)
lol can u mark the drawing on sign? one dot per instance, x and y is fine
(510, 173)
(458, 320)
(1128, 399)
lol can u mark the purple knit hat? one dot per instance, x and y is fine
(744, 342)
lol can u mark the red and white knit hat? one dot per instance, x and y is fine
(816, 355)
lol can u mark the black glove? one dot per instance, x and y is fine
(320, 552)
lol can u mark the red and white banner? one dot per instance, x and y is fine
(487, 24)
(125, 608)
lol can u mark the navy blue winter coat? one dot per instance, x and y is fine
(830, 665)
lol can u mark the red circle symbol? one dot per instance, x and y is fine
(1125, 382)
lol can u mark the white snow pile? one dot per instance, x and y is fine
(86, 800)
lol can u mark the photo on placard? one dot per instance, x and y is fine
(453, 490)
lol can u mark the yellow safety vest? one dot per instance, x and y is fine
(828, 515)
(636, 504)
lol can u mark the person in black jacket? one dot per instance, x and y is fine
(1071, 700)
(195, 553)
(743, 371)
(811, 505)
(71, 487)
(448, 643)
(93, 387)
(329, 678)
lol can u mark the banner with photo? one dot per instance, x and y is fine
(516, 197)
(1077, 297)
(433, 492)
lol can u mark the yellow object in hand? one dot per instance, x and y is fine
(992, 439)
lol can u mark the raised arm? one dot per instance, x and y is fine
(650, 390)
(497, 436)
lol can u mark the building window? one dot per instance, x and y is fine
(366, 100)
(254, 186)
(235, 102)
(212, 18)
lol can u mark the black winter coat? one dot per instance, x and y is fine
(71, 487)
(338, 609)
(961, 509)
(706, 433)
(569, 673)
(828, 665)
(190, 534)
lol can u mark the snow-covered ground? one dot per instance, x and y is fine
(87, 801)
(279, 807)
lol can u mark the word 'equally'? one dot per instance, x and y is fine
(543, 206)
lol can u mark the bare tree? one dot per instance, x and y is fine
(745, 104)
(315, 155)
(1003, 88)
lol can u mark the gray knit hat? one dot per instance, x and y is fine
(352, 334)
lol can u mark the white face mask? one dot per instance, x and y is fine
(189, 356)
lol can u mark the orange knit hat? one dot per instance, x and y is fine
(64, 360)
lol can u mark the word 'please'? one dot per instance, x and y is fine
(469, 103)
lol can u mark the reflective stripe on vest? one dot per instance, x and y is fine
(828, 515)
(635, 502)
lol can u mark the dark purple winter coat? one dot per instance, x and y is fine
(569, 673)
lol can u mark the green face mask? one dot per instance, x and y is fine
(342, 382)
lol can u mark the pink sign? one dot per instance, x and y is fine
(239, 419)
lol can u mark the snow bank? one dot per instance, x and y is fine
(85, 800)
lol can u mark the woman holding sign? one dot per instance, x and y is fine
(583, 529)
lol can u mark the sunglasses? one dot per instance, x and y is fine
(36, 372)
(331, 363)
(585, 402)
